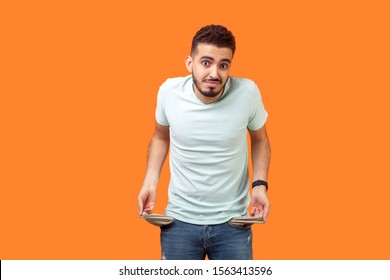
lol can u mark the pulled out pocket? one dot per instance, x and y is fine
(157, 219)
(247, 221)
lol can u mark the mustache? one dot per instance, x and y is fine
(212, 80)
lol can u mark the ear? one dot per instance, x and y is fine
(189, 63)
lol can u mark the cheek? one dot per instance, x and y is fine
(199, 74)
(224, 76)
(223, 73)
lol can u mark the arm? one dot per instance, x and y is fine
(157, 152)
(261, 154)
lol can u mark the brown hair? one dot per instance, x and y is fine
(216, 35)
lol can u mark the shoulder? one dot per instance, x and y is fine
(242, 83)
(244, 86)
(175, 83)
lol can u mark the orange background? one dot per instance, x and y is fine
(78, 93)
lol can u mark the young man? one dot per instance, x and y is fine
(204, 119)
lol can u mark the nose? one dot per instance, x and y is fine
(214, 72)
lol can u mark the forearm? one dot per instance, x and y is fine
(157, 152)
(261, 156)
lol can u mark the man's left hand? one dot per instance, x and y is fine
(260, 203)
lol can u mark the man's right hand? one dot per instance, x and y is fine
(157, 152)
(146, 199)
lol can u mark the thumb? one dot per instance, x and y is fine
(254, 210)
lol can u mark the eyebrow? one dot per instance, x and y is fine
(211, 58)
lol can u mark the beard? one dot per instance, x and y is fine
(211, 91)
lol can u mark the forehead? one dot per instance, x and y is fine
(207, 50)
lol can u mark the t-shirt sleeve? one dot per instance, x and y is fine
(161, 116)
(258, 115)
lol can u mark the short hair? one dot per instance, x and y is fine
(216, 35)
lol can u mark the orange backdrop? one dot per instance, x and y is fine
(78, 93)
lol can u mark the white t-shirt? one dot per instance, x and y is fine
(208, 159)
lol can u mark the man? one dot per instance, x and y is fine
(204, 119)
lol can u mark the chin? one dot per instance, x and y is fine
(215, 90)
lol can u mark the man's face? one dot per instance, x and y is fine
(210, 67)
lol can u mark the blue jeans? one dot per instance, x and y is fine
(183, 241)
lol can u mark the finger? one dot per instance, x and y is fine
(254, 210)
(147, 210)
(140, 206)
(265, 213)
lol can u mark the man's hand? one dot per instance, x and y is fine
(146, 199)
(260, 203)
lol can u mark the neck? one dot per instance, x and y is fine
(205, 99)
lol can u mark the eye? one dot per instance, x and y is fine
(205, 63)
(224, 66)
